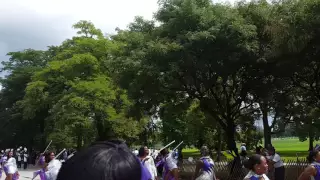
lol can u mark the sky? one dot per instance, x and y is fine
(39, 23)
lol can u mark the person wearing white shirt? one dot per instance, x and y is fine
(277, 163)
(258, 166)
(10, 168)
(170, 165)
(18, 157)
(25, 160)
(148, 161)
(136, 152)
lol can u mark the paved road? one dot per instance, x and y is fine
(24, 174)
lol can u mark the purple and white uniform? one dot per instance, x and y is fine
(42, 171)
(253, 176)
(169, 164)
(317, 166)
(10, 167)
(207, 172)
(53, 169)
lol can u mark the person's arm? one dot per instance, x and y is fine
(9, 177)
(154, 169)
(309, 171)
(199, 165)
(175, 173)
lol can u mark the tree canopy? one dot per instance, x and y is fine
(199, 71)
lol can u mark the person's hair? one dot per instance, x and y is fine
(252, 161)
(47, 156)
(141, 151)
(109, 160)
(204, 151)
(164, 152)
(272, 149)
(312, 155)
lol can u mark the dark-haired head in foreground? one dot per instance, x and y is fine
(111, 160)
(257, 164)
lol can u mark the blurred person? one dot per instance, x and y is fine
(109, 160)
(10, 167)
(313, 170)
(147, 161)
(25, 158)
(257, 166)
(276, 162)
(52, 166)
(170, 168)
(205, 166)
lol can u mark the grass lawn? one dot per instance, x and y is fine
(287, 148)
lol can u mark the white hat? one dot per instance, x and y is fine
(25, 149)
(7, 150)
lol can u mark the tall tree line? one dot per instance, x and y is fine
(204, 69)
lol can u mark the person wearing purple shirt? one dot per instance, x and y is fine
(313, 170)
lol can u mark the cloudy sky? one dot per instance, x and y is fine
(39, 23)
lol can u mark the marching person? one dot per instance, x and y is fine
(42, 171)
(276, 162)
(147, 161)
(10, 167)
(313, 170)
(52, 166)
(170, 166)
(205, 166)
(257, 164)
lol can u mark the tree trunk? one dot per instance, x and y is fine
(311, 137)
(266, 126)
(43, 136)
(219, 144)
(104, 129)
(79, 141)
(102, 135)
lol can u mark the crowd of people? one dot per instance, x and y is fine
(266, 164)
(113, 160)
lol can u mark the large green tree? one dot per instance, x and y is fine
(199, 51)
(19, 69)
(77, 93)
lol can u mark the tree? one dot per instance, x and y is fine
(199, 51)
(19, 68)
(77, 93)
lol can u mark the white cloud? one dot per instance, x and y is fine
(39, 23)
(61, 14)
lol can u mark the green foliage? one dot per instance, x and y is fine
(205, 69)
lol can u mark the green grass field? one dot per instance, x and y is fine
(287, 148)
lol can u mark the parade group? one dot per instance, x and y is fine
(113, 160)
